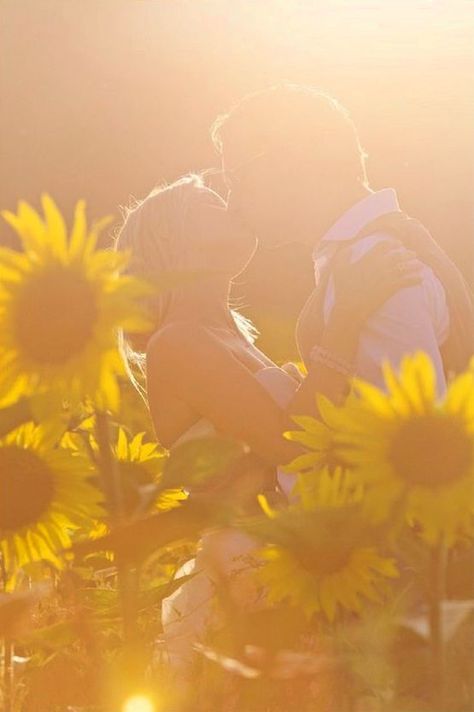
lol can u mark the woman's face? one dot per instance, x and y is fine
(218, 241)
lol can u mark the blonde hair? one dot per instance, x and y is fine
(154, 232)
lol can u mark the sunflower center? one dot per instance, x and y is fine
(325, 557)
(431, 451)
(329, 561)
(56, 316)
(26, 488)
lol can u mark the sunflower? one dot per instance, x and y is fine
(412, 450)
(317, 437)
(61, 303)
(327, 487)
(321, 471)
(140, 466)
(46, 494)
(324, 561)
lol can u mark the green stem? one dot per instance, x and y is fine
(112, 485)
(7, 674)
(437, 594)
(7, 655)
(14, 415)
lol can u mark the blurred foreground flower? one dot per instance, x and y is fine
(322, 475)
(318, 438)
(45, 494)
(61, 303)
(322, 557)
(412, 450)
(324, 564)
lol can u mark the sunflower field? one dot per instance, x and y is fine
(362, 584)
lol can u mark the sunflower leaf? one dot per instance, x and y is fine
(136, 540)
(14, 415)
(198, 461)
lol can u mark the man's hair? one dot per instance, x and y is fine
(294, 116)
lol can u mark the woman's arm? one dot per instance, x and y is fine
(191, 365)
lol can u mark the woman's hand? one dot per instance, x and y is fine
(363, 286)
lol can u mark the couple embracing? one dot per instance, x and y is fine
(295, 172)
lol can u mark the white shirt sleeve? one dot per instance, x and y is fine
(413, 319)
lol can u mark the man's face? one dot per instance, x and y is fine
(261, 194)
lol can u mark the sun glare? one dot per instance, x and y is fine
(138, 703)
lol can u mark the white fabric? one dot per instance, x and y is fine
(189, 611)
(416, 318)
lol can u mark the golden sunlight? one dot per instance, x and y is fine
(237, 414)
(138, 703)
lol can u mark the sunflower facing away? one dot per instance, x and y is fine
(413, 450)
(45, 494)
(61, 302)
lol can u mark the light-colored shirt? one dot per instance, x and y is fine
(415, 318)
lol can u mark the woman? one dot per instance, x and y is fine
(205, 375)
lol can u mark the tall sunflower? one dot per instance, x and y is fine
(46, 494)
(61, 303)
(410, 449)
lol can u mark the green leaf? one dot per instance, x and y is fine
(196, 462)
(153, 596)
(14, 608)
(14, 415)
(104, 603)
(136, 540)
(54, 637)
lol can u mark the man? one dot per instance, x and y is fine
(296, 172)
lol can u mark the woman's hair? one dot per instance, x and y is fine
(155, 233)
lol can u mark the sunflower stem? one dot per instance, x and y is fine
(437, 594)
(8, 670)
(7, 674)
(112, 484)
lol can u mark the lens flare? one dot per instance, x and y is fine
(138, 703)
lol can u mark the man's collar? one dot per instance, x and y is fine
(370, 208)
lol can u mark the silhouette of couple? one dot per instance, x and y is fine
(295, 172)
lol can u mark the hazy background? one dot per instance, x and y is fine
(102, 99)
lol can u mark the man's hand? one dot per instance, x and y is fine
(361, 287)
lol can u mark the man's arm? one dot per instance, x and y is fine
(404, 324)
(369, 283)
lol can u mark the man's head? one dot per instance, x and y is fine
(291, 158)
